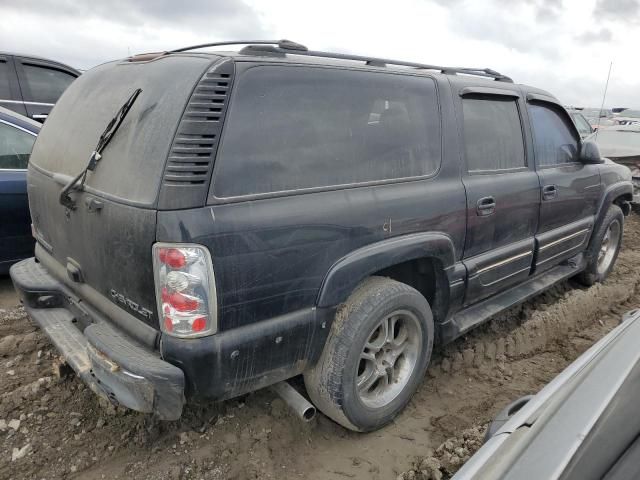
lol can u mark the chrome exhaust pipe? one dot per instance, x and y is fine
(296, 402)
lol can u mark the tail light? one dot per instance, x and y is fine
(185, 289)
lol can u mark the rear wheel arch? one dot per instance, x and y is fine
(428, 276)
(418, 260)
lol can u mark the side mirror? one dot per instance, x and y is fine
(505, 415)
(590, 153)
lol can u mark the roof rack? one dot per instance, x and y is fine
(289, 47)
(284, 44)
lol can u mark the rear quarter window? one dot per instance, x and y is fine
(294, 128)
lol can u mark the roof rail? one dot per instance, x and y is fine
(289, 47)
(284, 44)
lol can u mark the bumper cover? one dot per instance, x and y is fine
(111, 363)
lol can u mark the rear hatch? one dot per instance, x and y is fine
(105, 242)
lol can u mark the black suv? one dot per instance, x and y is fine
(31, 85)
(247, 217)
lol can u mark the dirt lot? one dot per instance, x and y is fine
(54, 428)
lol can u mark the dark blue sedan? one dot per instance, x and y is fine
(17, 135)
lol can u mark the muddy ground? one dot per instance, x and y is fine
(52, 427)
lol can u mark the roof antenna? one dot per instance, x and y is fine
(606, 86)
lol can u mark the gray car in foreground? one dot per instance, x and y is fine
(584, 424)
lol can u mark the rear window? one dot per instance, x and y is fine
(46, 84)
(132, 164)
(492, 134)
(292, 128)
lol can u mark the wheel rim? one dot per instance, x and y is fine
(388, 359)
(608, 247)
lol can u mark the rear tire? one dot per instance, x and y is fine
(375, 357)
(604, 249)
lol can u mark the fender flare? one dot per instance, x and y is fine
(612, 192)
(345, 275)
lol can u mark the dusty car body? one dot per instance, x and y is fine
(582, 425)
(209, 224)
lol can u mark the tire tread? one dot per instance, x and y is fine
(324, 380)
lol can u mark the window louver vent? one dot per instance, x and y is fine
(187, 174)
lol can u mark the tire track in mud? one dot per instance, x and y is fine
(61, 431)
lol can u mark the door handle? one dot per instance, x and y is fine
(549, 192)
(485, 206)
(38, 116)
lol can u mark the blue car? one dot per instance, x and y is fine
(17, 135)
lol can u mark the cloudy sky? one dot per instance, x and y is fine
(564, 46)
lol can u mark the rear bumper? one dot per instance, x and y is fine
(111, 363)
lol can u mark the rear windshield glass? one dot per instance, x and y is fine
(132, 164)
(292, 128)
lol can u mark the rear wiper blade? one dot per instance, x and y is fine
(96, 155)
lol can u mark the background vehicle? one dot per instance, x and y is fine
(628, 117)
(17, 135)
(621, 144)
(598, 117)
(31, 85)
(582, 124)
(328, 231)
(583, 425)
(618, 109)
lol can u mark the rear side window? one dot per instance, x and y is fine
(292, 128)
(46, 84)
(5, 91)
(15, 147)
(555, 139)
(492, 134)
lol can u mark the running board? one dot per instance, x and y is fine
(470, 317)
